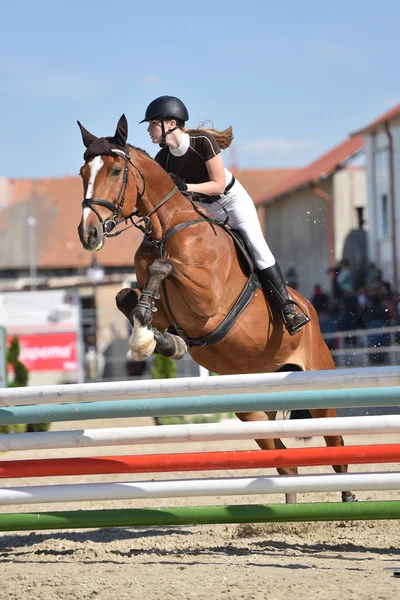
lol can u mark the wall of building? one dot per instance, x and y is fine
(5, 191)
(296, 231)
(349, 193)
(379, 196)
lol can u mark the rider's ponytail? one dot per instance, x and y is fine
(224, 138)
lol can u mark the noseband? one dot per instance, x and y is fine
(108, 225)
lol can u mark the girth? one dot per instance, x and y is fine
(215, 336)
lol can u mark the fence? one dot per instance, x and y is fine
(358, 348)
(279, 391)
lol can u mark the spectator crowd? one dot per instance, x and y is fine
(371, 307)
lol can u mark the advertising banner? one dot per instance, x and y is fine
(48, 326)
(48, 351)
(3, 358)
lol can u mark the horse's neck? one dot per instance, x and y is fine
(177, 209)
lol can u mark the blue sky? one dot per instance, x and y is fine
(293, 78)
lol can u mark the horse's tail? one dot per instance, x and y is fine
(300, 414)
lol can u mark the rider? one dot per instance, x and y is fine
(193, 159)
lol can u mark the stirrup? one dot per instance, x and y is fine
(294, 328)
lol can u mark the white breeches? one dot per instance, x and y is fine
(243, 216)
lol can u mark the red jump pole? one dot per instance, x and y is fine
(201, 461)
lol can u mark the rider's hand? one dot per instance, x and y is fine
(179, 182)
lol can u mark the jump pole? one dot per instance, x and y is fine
(200, 515)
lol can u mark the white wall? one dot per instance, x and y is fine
(5, 191)
(296, 231)
(380, 242)
(349, 192)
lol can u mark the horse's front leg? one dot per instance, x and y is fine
(145, 339)
(142, 341)
(167, 344)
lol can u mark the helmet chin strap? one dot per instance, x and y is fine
(165, 133)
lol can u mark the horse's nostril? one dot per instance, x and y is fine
(95, 233)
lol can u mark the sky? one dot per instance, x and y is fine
(293, 78)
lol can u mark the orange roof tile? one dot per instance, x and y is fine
(324, 166)
(390, 114)
(56, 205)
(258, 182)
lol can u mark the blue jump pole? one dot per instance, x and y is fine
(158, 407)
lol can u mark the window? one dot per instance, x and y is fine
(382, 192)
(385, 214)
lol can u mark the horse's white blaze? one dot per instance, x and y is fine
(95, 166)
(86, 213)
(141, 342)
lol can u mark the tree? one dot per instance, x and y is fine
(21, 373)
(165, 368)
(21, 376)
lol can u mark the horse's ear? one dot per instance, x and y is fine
(121, 133)
(87, 137)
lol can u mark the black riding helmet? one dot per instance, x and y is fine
(166, 107)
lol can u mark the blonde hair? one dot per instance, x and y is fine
(224, 138)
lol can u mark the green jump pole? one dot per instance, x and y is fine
(201, 515)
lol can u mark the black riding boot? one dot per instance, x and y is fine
(274, 286)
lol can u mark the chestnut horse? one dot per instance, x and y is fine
(190, 274)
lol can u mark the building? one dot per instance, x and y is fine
(309, 216)
(258, 182)
(382, 151)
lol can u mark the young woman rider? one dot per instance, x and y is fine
(193, 159)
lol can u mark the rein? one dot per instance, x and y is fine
(109, 225)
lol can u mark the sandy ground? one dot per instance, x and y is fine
(250, 562)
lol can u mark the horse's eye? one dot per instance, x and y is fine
(116, 172)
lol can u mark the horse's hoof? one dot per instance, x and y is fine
(144, 346)
(144, 351)
(349, 497)
(180, 348)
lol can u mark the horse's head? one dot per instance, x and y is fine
(105, 176)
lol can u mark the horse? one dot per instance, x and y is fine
(190, 274)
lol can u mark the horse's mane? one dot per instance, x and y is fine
(140, 150)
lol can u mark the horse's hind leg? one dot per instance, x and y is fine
(332, 441)
(274, 444)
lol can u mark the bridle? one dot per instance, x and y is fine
(109, 225)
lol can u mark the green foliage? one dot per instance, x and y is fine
(163, 367)
(206, 418)
(21, 375)
(178, 420)
(12, 428)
